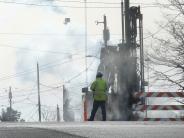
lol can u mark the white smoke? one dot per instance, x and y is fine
(40, 36)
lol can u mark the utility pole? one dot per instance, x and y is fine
(65, 104)
(38, 86)
(10, 101)
(123, 22)
(105, 31)
(141, 52)
(58, 113)
(86, 43)
(65, 97)
(127, 21)
(106, 34)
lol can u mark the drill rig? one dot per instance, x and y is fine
(122, 66)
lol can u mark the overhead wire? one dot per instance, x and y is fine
(32, 69)
(44, 51)
(43, 68)
(164, 74)
(72, 78)
(46, 34)
(37, 50)
(6, 95)
(58, 52)
(30, 112)
(27, 98)
(163, 27)
(33, 4)
(66, 6)
(45, 5)
(115, 3)
(88, 2)
(50, 34)
(48, 5)
(51, 86)
(42, 104)
(33, 114)
(79, 74)
(31, 93)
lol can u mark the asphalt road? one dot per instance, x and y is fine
(18, 132)
(93, 130)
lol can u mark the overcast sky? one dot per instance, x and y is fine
(35, 33)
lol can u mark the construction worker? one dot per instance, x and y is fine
(99, 88)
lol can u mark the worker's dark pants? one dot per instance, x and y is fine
(96, 104)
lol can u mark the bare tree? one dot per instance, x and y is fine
(168, 50)
(48, 114)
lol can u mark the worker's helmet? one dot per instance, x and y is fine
(99, 75)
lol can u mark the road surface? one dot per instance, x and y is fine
(93, 130)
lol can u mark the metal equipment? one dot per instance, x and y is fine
(121, 67)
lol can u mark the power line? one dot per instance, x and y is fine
(59, 86)
(46, 5)
(51, 34)
(163, 27)
(94, 2)
(33, 114)
(37, 50)
(51, 86)
(66, 6)
(43, 68)
(23, 90)
(32, 93)
(88, 2)
(79, 74)
(33, 69)
(114, 3)
(51, 66)
(47, 34)
(72, 78)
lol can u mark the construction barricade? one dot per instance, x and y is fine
(145, 107)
